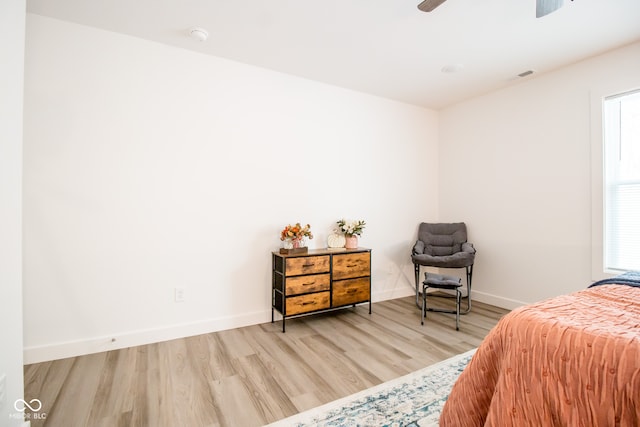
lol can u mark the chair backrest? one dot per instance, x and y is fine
(442, 239)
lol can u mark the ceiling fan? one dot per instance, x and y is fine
(543, 7)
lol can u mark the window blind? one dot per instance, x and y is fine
(622, 181)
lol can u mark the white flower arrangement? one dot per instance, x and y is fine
(350, 227)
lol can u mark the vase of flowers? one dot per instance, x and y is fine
(294, 238)
(351, 230)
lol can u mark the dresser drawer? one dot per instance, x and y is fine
(305, 284)
(307, 303)
(351, 291)
(308, 265)
(351, 265)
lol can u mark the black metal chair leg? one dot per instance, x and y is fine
(423, 309)
(417, 272)
(458, 297)
(468, 297)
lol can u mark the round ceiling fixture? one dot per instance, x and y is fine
(199, 34)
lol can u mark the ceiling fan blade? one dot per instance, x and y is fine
(429, 5)
(545, 7)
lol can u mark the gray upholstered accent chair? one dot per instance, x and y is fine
(443, 245)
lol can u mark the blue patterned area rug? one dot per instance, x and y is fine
(414, 400)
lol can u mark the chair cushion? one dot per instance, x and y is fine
(441, 281)
(458, 260)
(442, 239)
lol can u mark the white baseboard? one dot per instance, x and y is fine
(483, 297)
(496, 300)
(392, 294)
(141, 337)
(117, 341)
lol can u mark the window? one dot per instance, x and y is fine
(621, 150)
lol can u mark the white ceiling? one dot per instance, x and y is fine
(383, 47)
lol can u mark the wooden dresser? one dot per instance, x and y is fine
(319, 280)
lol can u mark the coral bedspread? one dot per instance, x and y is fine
(572, 360)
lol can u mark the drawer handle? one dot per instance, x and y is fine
(309, 284)
(352, 265)
(308, 303)
(308, 265)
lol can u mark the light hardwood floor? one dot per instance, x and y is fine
(254, 375)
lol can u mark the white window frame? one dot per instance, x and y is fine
(598, 96)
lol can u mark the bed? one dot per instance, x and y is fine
(572, 360)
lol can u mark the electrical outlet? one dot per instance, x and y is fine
(3, 389)
(179, 294)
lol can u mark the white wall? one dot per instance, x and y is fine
(12, 30)
(515, 165)
(148, 167)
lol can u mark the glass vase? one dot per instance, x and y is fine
(287, 243)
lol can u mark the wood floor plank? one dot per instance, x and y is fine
(219, 360)
(288, 368)
(267, 397)
(44, 381)
(255, 375)
(148, 393)
(306, 401)
(77, 393)
(345, 375)
(231, 397)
